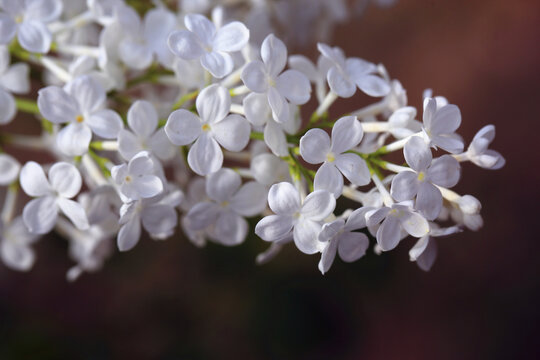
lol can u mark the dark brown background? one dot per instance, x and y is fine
(480, 301)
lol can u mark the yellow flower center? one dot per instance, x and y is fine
(19, 19)
(206, 127)
(330, 157)
(127, 179)
(421, 176)
(79, 119)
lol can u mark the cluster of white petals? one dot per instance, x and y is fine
(164, 121)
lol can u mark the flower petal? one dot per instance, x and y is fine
(129, 234)
(318, 205)
(230, 229)
(294, 86)
(205, 156)
(250, 200)
(219, 64)
(88, 93)
(305, 236)
(159, 220)
(417, 154)
(17, 257)
(405, 186)
(34, 36)
(352, 246)
(9, 169)
(8, 106)
(8, 28)
(274, 227)
(254, 76)
(142, 118)
(183, 127)
(42, 10)
(222, 185)
(314, 146)
(388, 235)
(329, 178)
(414, 224)
(373, 85)
(231, 37)
(74, 139)
(275, 138)
(16, 78)
(200, 26)
(429, 200)
(105, 123)
(232, 132)
(135, 54)
(283, 199)
(354, 168)
(346, 134)
(33, 180)
(65, 179)
(202, 215)
(75, 212)
(185, 45)
(148, 186)
(161, 146)
(340, 83)
(279, 106)
(213, 103)
(274, 55)
(128, 144)
(56, 105)
(257, 109)
(328, 255)
(444, 171)
(447, 119)
(40, 214)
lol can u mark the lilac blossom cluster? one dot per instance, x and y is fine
(165, 122)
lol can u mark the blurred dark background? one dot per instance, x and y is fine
(170, 300)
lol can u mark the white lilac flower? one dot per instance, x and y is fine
(259, 113)
(157, 215)
(213, 127)
(195, 193)
(440, 124)
(478, 152)
(136, 178)
(189, 73)
(9, 169)
(91, 247)
(28, 19)
(268, 169)
(267, 77)
(301, 218)
(229, 202)
(212, 46)
(424, 250)
(395, 221)
(142, 119)
(317, 147)
(15, 245)
(340, 237)
(424, 177)
(52, 195)
(402, 123)
(315, 73)
(348, 73)
(147, 39)
(80, 104)
(13, 79)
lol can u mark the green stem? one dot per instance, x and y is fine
(184, 99)
(27, 106)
